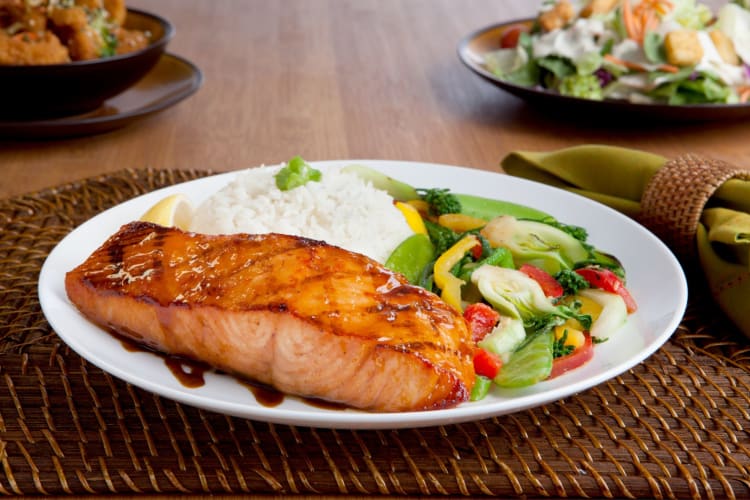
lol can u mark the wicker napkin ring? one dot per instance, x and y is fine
(674, 199)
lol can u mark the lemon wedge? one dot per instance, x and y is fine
(173, 211)
(412, 216)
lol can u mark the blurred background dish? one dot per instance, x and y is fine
(473, 48)
(169, 82)
(34, 92)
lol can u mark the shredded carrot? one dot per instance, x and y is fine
(628, 20)
(744, 93)
(622, 62)
(667, 68)
(659, 6)
(644, 17)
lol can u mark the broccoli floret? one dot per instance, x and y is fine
(571, 281)
(442, 237)
(584, 86)
(576, 232)
(441, 201)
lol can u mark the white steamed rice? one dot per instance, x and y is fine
(342, 209)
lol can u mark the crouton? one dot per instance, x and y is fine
(725, 47)
(683, 48)
(595, 7)
(557, 17)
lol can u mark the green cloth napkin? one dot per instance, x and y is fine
(617, 177)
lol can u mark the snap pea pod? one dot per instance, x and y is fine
(411, 257)
(475, 206)
(481, 388)
(499, 257)
(487, 208)
(400, 191)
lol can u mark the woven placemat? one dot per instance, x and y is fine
(675, 426)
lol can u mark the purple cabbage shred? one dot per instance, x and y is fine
(604, 76)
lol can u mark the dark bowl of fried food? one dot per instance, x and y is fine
(84, 56)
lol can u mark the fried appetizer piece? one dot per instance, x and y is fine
(117, 11)
(28, 48)
(299, 315)
(558, 16)
(130, 40)
(72, 24)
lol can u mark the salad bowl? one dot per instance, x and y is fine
(473, 48)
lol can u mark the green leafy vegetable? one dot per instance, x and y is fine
(584, 86)
(442, 237)
(441, 201)
(500, 257)
(560, 67)
(653, 47)
(689, 87)
(559, 348)
(571, 281)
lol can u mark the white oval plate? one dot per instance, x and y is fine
(655, 279)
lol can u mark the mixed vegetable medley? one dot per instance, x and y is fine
(644, 51)
(535, 294)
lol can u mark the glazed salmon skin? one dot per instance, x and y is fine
(299, 315)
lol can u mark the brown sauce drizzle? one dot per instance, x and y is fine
(324, 405)
(190, 373)
(264, 395)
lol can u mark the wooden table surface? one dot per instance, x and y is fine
(333, 79)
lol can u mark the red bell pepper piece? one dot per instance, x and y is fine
(573, 360)
(549, 284)
(486, 363)
(481, 319)
(610, 282)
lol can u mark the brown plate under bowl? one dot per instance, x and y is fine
(473, 48)
(54, 90)
(170, 81)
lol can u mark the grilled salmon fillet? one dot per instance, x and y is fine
(299, 315)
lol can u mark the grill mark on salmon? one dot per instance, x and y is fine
(296, 314)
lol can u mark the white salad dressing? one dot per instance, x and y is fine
(634, 78)
(574, 42)
(734, 21)
(711, 62)
(630, 50)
